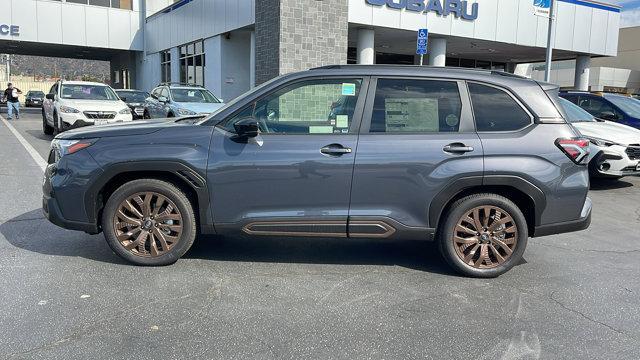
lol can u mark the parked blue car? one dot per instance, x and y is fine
(176, 100)
(613, 107)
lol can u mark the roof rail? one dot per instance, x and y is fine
(177, 83)
(400, 66)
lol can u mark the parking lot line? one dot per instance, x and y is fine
(34, 154)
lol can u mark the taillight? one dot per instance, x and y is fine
(577, 149)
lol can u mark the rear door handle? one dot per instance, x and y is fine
(335, 150)
(458, 148)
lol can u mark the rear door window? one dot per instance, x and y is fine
(416, 106)
(496, 110)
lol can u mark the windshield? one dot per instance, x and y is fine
(575, 113)
(628, 105)
(36, 93)
(133, 96)
(193, 96)
(88, 92)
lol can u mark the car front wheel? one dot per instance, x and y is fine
(484, 235)
(46, 128)
(149, 222)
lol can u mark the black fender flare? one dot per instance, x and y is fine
(192, 178)
(459, 185)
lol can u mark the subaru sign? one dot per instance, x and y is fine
(9, 30)
(421, 49)
(459, 8)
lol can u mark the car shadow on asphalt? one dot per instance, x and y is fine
(39, 135)
(608, 184)
(416, 255)
(31, 231)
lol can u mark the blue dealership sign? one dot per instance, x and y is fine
(459, 8)
(423, 35)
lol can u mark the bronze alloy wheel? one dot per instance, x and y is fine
(485, 237)
(148, 224)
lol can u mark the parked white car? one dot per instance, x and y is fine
(72, 104)
(615, 148)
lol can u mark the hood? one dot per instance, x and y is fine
(200, 108)
(611, 131)
(142, 127)
(94, 105)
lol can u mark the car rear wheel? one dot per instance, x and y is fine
(149, 222)
(46, 128)
(484, 235)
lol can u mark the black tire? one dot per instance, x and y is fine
(146, 115)
(460, 209)
(56, 129)
(170, 115)
(46, 128)
(173, 194)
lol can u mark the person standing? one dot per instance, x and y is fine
(13, 104)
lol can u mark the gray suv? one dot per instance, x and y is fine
(477, 161)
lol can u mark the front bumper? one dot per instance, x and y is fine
(75, 120)
(52, 212)
(65, 196)
(568, 226)
(612, 161)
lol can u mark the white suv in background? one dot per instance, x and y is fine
(72, 104)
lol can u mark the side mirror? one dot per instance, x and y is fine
(124, 99)
(51, 96)
(607, 115)
(246, 128)
(163, 99)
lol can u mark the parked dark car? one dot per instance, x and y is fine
(612, 107)
(34, 99)
(137, 102)
(478, 161)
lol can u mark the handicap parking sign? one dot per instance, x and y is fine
(423, 35)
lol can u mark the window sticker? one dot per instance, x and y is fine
(320, 129)
(342, 121)
(412, 115)
(348, 89)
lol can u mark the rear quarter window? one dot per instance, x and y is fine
(495, 110)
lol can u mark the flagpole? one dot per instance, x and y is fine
(551, 37)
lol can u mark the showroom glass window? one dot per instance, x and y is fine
(416, 106)
(165, 66)
(192, 63)
(496, 110)
(322, 106)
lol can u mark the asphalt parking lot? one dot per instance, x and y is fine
(65, 295)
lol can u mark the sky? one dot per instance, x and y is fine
(630, 12)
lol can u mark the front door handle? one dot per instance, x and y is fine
(335, 150)
(458, 148)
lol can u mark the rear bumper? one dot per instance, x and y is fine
(568, 226)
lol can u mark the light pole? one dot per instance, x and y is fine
(551, 38)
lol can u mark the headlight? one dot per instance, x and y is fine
(68, 110)
(186, 112)
(601, 142)
(125, 111)
(67, 147)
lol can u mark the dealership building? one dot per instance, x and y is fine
(230, 45)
